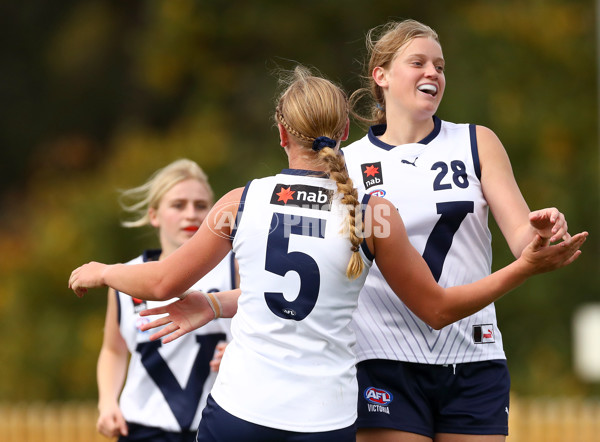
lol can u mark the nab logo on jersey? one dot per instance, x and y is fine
(378, 396)
(371, 174)
(138, 304)
(309, 197)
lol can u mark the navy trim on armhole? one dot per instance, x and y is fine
(118, 307)
(475, 150)
(363, 245)
(232, 270)
(240, 212)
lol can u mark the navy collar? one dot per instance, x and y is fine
(151, 255)
(379, 129)
(303, 172)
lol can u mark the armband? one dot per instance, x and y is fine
(214, 303)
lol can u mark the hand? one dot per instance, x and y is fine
(111, 422)
(184, 316)
(542, 257)
(549, 224)
(218, 356)
(87, 276)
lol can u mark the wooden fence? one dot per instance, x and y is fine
(531, 420)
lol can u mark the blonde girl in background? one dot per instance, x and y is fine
(166, 385)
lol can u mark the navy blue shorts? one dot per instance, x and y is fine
(471, 398)
(217, 425)
(143, 433)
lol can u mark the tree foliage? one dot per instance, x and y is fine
(99, 94)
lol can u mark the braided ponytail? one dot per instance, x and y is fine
(315, 112)
(354, 225)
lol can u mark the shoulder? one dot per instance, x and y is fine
(232, 195)
(225, 208)
(485, 134)
(488, 143)
(380, 210)
(452, 127)
(358, 144)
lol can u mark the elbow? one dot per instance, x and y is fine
(161, 290)
(436, 319)
(437, 323)
(161, 293)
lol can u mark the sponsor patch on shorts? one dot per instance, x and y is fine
(377, 400)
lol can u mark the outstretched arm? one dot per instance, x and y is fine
(189, 313)
(511, 212)
(410, 278)
(168, 278)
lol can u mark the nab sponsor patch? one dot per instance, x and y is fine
(371, 174)
(483, 334)
(298, 195)
(138, 305)
(378, 396)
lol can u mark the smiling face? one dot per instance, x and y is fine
(180, 212)
(413, 83)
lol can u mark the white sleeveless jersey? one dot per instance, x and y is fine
(290, 364)
(167, 384)
(435, 184)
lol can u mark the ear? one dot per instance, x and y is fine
(346, 130)
(283, 135)
(380, 77)
(153, 216)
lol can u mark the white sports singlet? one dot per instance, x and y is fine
(435, 184)
(167, 384)
(290, 364)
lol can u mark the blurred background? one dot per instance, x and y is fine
(96, 95)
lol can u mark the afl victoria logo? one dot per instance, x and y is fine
(378, 396)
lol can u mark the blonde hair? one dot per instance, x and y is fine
(139, 200)
(310, 108)
(383, 43)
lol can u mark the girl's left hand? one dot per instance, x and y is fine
(183, 316)
(550, 224)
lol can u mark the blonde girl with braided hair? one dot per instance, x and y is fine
(289, 372)
(293, 115)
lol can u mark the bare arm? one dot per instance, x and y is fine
(168, 278)
(110, 374)
(506, 202)
(410, 278)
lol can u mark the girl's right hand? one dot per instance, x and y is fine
(111, 422)
(541, 257)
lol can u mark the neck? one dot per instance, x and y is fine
(402, 129)
(302, 158)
